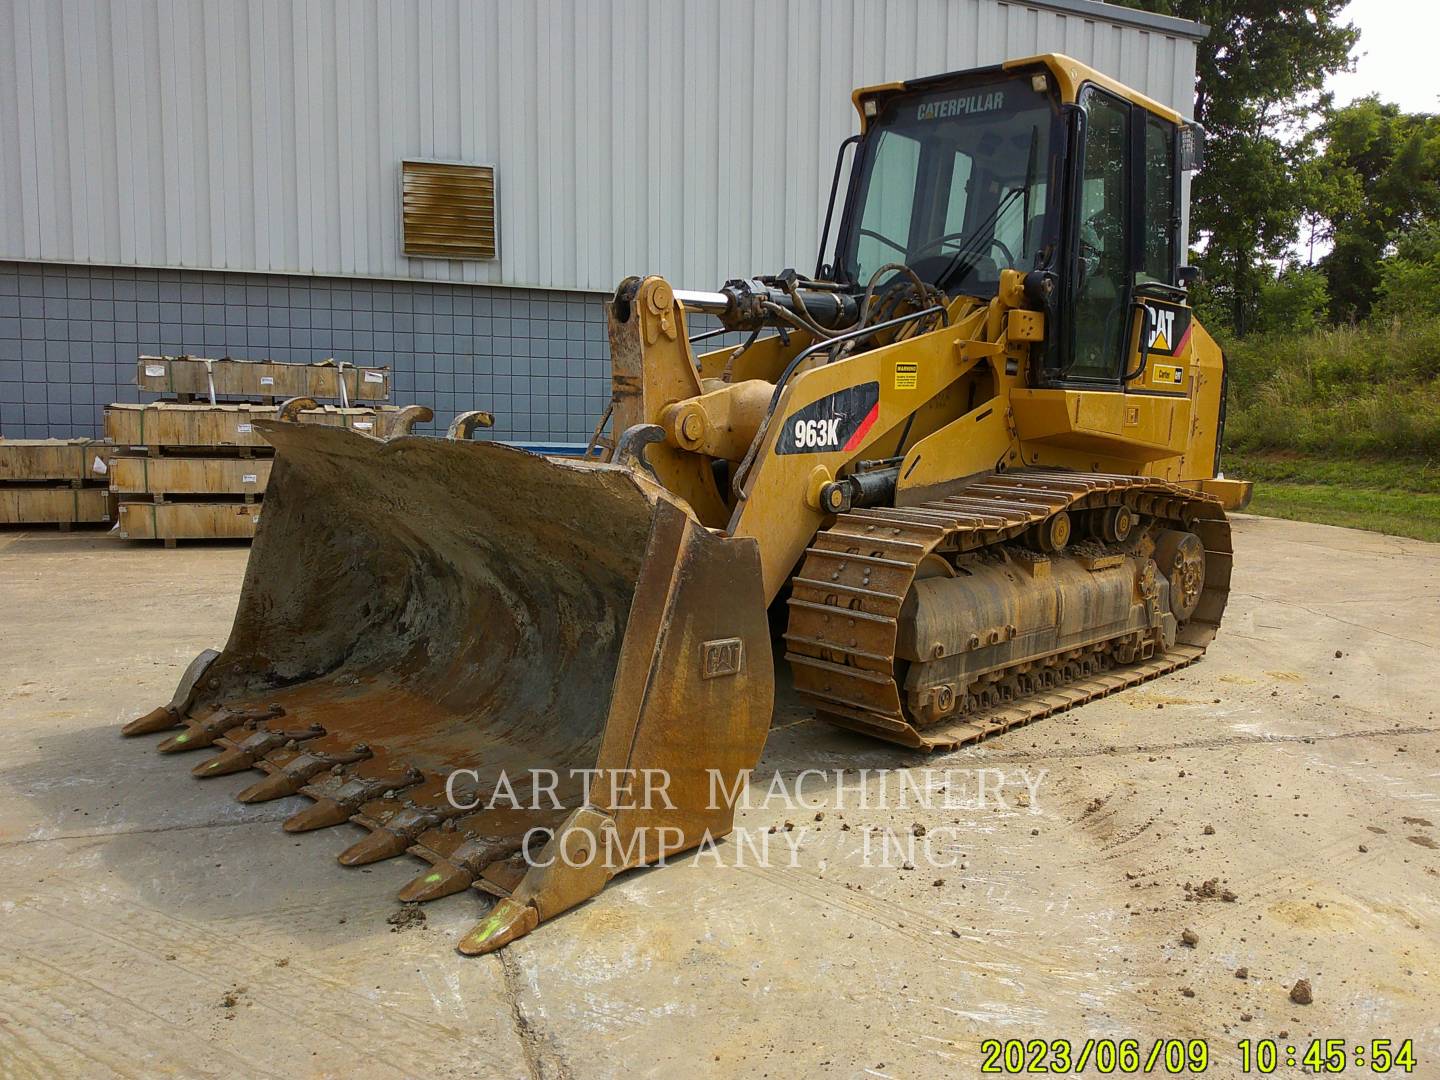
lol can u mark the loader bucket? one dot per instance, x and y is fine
(567, 634)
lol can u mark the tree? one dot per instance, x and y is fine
(1410, 278)
(1295, 301)
(1259, 80)
(1384, 175)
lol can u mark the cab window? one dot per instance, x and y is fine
(1103, 240)
(1162, 215)
(889, 210)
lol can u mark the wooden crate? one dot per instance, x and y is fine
(190, 376)
(164, 424)
(144, 475)
(61, 506)
(172, 521)
(76, 460)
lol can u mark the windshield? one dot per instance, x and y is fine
(956, 183)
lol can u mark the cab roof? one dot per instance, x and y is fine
(1068, 72)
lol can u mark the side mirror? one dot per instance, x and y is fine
(1192, 147)
(1189, 276)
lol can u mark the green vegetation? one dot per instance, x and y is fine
(1341, 425)
(1400, 497)
(1334, 404)
(1371, 390)
(1399, 513)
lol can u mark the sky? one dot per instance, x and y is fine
(1397, 54)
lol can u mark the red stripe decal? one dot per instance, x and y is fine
(865, 425)
(1184, 340)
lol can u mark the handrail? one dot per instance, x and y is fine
(849, 335)
(743, 470)
(1143, 342)
(830, 206)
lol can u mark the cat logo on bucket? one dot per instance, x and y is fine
(724, 656)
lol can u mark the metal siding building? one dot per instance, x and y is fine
(230, 169)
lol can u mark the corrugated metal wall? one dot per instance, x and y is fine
(693, 139)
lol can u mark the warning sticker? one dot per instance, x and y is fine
(1168, 374)
(248, 478)
(154, 370)
(907, 376)
(267, 380)
(243, 429)
(375, 376)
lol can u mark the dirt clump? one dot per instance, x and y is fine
(408, 917)
(1209, 890)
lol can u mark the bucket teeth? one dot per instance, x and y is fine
(442, 879)
(245, 752)
(339, 794)
(275, 786)
(318, 815)
(395, 826)
(380, 844)
(293, 775)
(192, 739)
(162, 719)
(199, 734)
(223, 764)
(170, 714)
(508, 920)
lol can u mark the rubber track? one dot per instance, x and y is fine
(846, 597)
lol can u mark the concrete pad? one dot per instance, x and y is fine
(154, 924)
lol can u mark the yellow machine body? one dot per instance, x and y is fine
(976, 483)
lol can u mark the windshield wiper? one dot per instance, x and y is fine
(991, 219)
(967, 249)
(1029, 186)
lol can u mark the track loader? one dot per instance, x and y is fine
(963, 476)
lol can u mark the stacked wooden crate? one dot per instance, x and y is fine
(193, 466)
(266, 382)
(53, 482)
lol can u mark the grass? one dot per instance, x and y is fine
(1400, 497)
(1340, 426)
(1369, 391)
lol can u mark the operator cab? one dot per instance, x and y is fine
(1037, 165)
(954, 180)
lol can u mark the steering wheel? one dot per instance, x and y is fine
(932, 266)
(884, 240)
(918, 261)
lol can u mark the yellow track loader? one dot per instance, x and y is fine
(962, 477)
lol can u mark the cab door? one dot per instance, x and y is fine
(1127, 321)
(1160, 314)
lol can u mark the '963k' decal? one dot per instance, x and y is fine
(838, 422)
